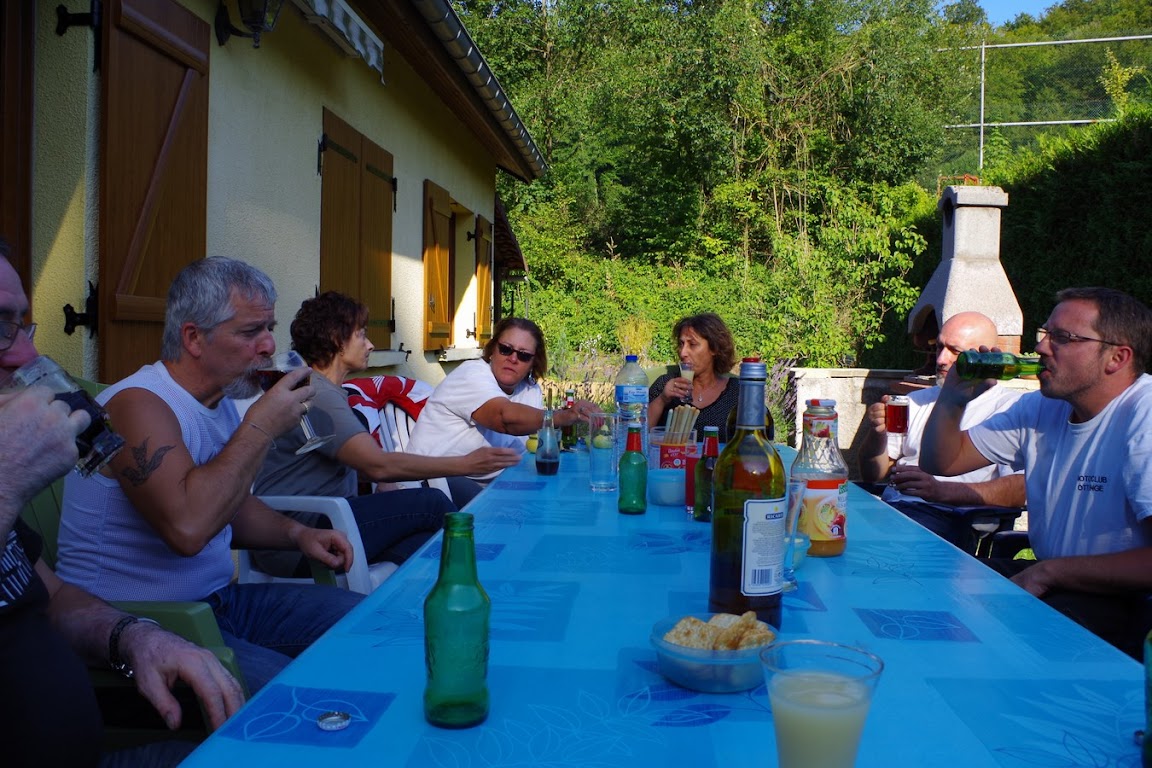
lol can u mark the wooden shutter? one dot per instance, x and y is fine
(437, 231)
(483, 280)
(376, 205)
(153, 173)
(356, 203)
(340, 192)
(17, 33)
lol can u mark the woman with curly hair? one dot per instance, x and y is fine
(331, 333)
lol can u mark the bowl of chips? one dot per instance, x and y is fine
(712, 652)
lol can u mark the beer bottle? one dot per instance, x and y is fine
(702, 503)
(820, 467)
(748, 511)
(568, 433)
(996, 365)
(456, 614)
(633, 475)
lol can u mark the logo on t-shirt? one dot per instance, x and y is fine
(1091, 483)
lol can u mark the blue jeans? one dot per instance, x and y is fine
(268, 625)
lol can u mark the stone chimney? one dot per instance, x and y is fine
(970, 276)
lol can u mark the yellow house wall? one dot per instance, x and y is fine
(265, 112)
(64, 233)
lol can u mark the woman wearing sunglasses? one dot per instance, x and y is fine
(495, 401)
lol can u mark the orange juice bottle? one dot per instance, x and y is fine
(821, 468)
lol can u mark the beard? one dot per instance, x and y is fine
(243, 386)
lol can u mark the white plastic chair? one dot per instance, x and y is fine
(362, 577)
(395, 434)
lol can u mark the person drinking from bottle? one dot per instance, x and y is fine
(50, 631)
(330, 332)
(943, 505)
(1085, 443)
(160, 521)
(494, 401)
(704, 341)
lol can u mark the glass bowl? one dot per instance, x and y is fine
(705, 670)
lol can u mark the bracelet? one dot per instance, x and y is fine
(259, 428)
(114, 658)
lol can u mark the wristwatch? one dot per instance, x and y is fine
(115, 660)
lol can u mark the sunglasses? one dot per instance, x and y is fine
(507, 351)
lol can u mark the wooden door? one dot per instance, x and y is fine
(17, 33)
(153, 173)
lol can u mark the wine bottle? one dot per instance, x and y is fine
(820, 468)
(456, 616)
(730, 425)
(705, 468)
(996, 365)
(633, 475)
(748, 511)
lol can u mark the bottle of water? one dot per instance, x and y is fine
(631, 404)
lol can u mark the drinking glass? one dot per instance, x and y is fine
(896, 419)
(278, 365)
(97, 444)
(687, 372)
(820, 693)
(602, 451)
(791, 538)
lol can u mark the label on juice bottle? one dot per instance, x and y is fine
(822, 516)
(763, 547)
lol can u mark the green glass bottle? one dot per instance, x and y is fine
(748, 511)
(702, 488)
(456, 615)
(633, 475)
(569, 434)
(996, 365)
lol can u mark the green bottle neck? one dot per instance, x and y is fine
(458, 553)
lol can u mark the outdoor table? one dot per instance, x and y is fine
(977, 672)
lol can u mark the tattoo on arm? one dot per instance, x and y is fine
(145, 465)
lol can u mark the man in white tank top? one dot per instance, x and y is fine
(158, 523)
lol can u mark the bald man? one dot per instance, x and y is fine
(943, 505)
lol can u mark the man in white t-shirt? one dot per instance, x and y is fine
(945, 506)
(1085, 441)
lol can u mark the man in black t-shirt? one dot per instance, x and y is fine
(50, 630)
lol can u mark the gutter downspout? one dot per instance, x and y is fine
(446, 25)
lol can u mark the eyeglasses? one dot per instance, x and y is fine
(1060, 338)
(9, 329)
(507, 351)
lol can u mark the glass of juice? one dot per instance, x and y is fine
(602, 451)
(820, 693)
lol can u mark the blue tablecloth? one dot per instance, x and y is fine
(978, 672)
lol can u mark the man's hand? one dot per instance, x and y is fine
(483, 461)
(37, 443)
(327, 546)
(876, 417)
(279, 409)
(913, 481)
(1038, 579)
(159, 659)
